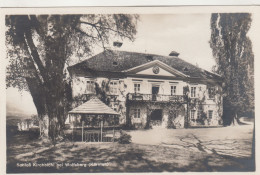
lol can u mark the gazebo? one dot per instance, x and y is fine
(93, 114)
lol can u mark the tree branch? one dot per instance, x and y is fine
(101, 38)
(116, 31)
(36, 24)
(83, 33)
(106, 28)
(34, 53)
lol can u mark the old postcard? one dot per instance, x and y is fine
(124, 89)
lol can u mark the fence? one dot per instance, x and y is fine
(94, 135)
(155, 97)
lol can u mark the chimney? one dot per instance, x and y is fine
(173, 53)
(117, 44)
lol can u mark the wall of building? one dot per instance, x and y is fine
(206, 104)
(125, 86)
(146, 85)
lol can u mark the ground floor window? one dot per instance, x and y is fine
(199, 113)
(192, 114)
(137, 113)
(210, 114)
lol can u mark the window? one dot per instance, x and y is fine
(137, 88)
(211, 91)
(185, 69)
(199, 113)
(137, 113)
(192, 114)
(115, 63)
(149, 58)
(193, 92)
(210, 114)
(90, 86)
(113, 87)
(173, 90)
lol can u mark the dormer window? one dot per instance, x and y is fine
(149, 58)
(185, 69)
(115, 63)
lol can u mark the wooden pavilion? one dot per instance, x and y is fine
(91, 118)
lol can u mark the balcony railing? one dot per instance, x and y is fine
(155, 97)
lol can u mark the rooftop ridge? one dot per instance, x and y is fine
(133, 52)
(129, 59)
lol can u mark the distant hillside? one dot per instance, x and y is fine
(12, 121)
(13, 112)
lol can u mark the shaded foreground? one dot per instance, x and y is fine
(189, 153)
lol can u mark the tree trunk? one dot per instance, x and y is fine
(56, 117)
(186, 117)
(38, 96)
(128, 117)
(44, 126)
(56, 112)
(235, 120)
(148, 118)
(253, 150)
(54, 128)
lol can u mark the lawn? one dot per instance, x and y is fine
(204, 149)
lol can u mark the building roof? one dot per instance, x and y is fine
(119, 61)
(93, 106)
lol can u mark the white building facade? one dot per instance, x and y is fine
(150, 90)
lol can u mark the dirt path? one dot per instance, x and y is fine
(230, 141)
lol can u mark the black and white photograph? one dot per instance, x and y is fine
(123, 90)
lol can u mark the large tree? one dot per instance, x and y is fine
(232, 50)
(39, 49)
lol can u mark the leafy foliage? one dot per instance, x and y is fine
(39, 49)
(124, 138)
(232, 50)
(174, 110)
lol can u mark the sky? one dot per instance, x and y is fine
(188, 34)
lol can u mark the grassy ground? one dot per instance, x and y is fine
(176, 150)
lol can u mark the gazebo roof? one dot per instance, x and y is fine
(93, 106)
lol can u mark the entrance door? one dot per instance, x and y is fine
(156, 117)
(155, 91)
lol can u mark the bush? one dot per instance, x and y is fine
(124, 138)
(171, 125)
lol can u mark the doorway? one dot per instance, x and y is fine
(156, 117)
(155, 91)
